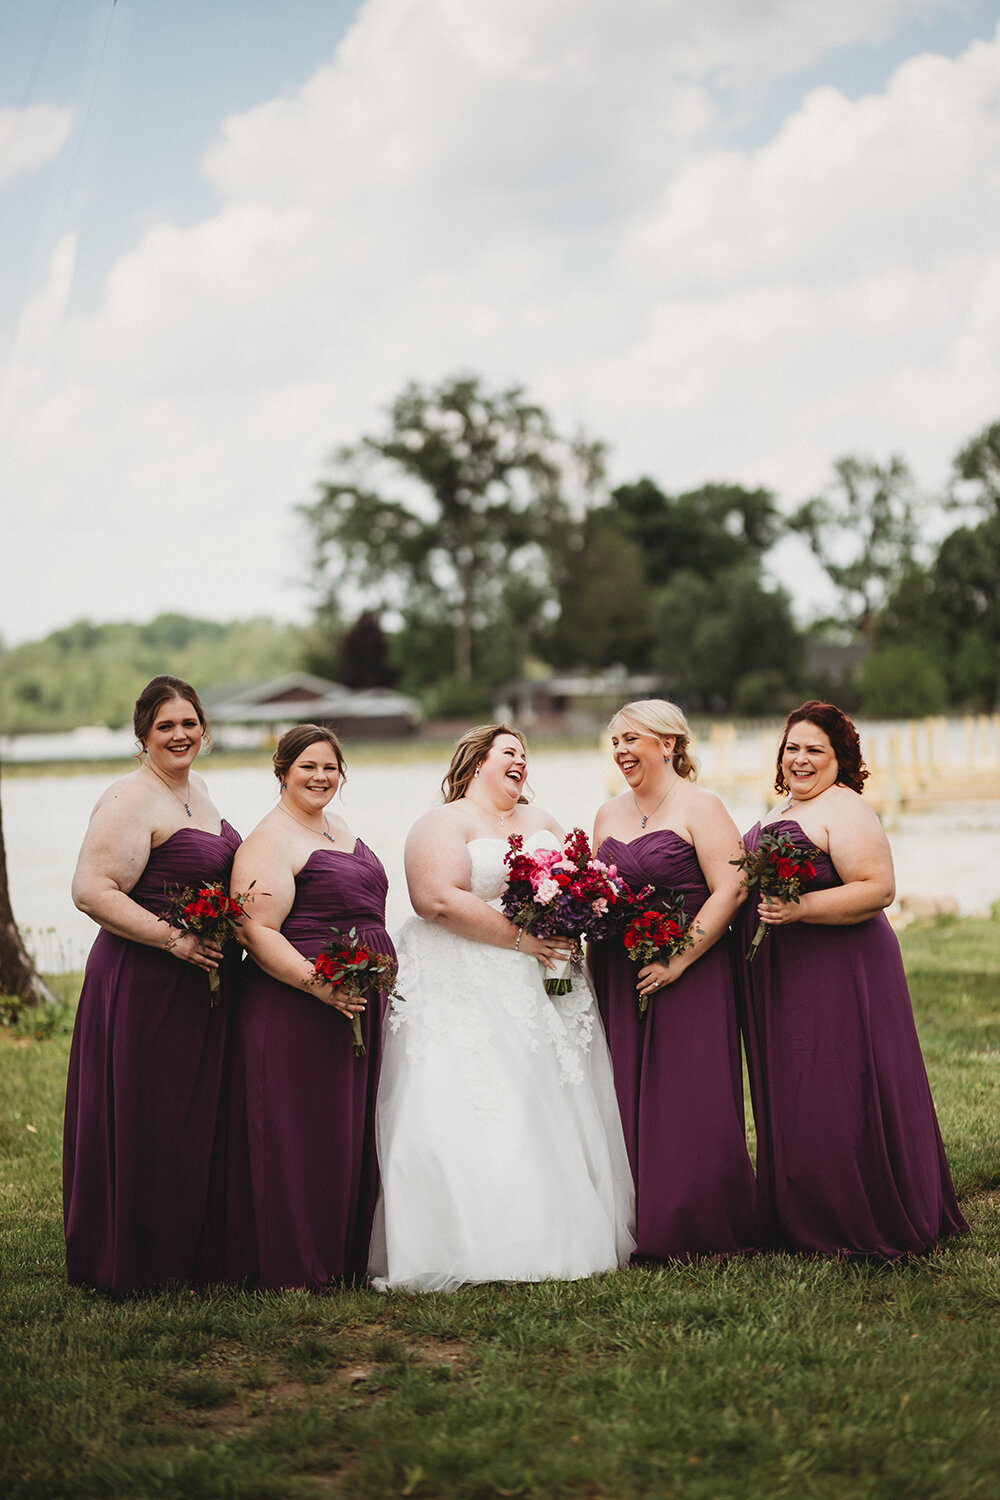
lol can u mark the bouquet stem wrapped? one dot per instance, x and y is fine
(346, 963)
(777, 867)
(210, 913)
(655, 936)
(565, 893)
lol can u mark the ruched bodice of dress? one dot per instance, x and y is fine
(826, 876)
(662, 859)
(191, 856)
(336, 889)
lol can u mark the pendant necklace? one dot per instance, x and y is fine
(186, 806)
(320, 832)
(647, 816)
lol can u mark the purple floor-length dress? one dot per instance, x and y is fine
(678, 1075)
(303, 1172)
(142, 1189)
(849, 1155)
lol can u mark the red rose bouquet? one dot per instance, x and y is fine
(566, 893)
(777, 867)
(210, 913)
(656, 935)
(348, 964)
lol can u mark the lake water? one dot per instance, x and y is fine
(947, 852)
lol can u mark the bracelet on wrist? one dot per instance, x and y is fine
(517, 940)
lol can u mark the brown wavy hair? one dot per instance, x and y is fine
(299, 738)
(162, 690)
(469, 754)
(851, 769)
(658, 717)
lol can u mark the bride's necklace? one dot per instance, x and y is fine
(646, 816)
(494, 811)
(186, 805)
(322, 833)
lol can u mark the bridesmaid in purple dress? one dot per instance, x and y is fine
(142, 1202)
(849, 1154)
(678, 1072)
(303, 1173)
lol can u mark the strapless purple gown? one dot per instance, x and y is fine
(849, 1155)
(678, 1076)
(303, 1174)
(142, 1189)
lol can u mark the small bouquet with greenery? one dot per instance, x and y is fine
(348, 964)
(210, 912)
(656, 935)
(563, 892)
(777, 867)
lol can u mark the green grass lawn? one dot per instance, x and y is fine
(762, 1377)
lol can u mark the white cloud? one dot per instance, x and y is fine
(534, 190)
(30, 137)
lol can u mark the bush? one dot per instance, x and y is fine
(900, 682)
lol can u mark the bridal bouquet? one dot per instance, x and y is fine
(656, 935)
(564, 892)
(776, 867)
(210, 913)
(348, 964)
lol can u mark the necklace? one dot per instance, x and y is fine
(322, 833)
(646, 816)
(166, 783)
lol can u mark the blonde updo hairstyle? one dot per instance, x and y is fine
(658, 717)
(470, 752)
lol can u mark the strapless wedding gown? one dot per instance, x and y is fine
(500, 1144)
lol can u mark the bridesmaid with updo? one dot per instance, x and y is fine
(678, 1070)
(303, 1173)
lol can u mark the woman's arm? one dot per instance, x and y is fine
(438, 877)
(716, 843)
(264, 861)
(114, 853)
(862, 858)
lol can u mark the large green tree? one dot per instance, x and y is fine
(863, 529)
(726, 644)
(463, 490)
(949, 609)
(977, 465)
(702, 531)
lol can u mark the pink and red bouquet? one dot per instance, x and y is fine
(655, 936)
(564, 892)
(210, 912)
(777, 867)
(348, 964)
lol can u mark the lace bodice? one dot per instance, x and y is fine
(486, 856)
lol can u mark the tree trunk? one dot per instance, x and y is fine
(17, 972)
(463, 629)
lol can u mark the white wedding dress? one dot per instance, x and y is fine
(499, 1139)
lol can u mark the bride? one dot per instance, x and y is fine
(499, 1140)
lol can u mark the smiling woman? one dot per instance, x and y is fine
(145, 1073)
(302, 1172)
(850, 1157)
(500, 1147)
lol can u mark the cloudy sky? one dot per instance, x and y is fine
(736, 239)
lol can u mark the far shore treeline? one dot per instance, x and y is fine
(467, 543)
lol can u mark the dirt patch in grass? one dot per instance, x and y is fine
(257, 1388)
